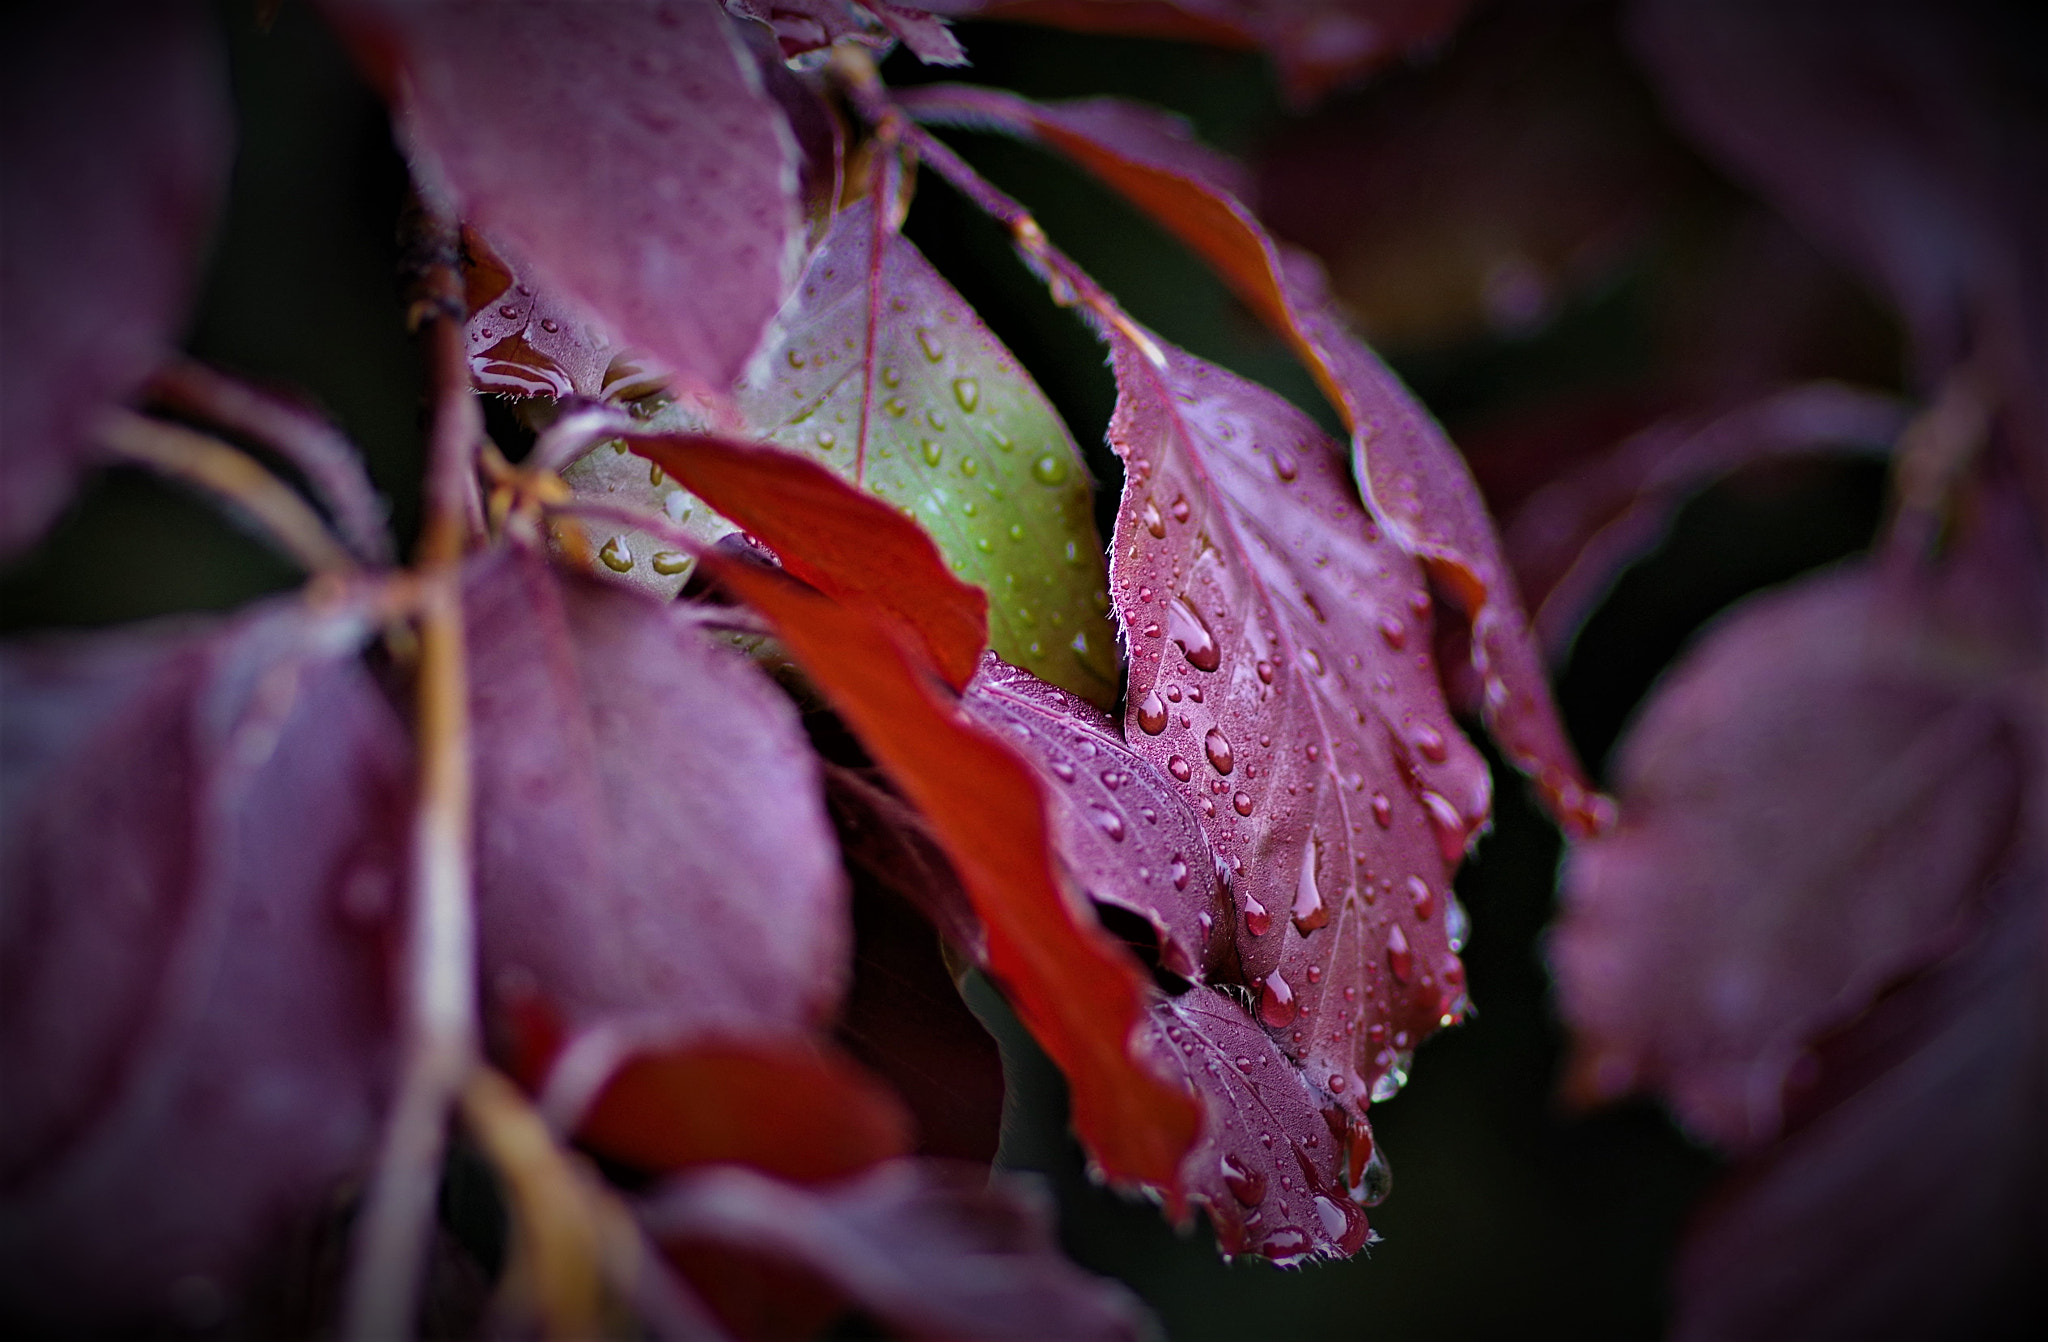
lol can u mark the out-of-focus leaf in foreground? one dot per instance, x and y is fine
(931, 1248)
(204, 837)
(879, 370)
(117, 139)
(627, 153)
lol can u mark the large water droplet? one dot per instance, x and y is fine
(1188, 630)
(1335, 1222)
(890, 377)
(934, 452)
(1256, 920)
(615, 555)
(1179, 870)
(668, 563)
(1242, 803)
(1178, 767)
(1393, 631)
(1154, 523)
(1277, 1006)
(1108, 821)
(1400, 958)
(1424, 900)
(1430, 742)
(1310, 912)
(1457, 923)
(1217, 748)
(1265, 670)
(1382, 809)
(1246, 1184)
(1152, 714)
(1050, 469)
(929, 343)
(1374, 1180)
(967, 392)
(1284, 465)
(1449, 827)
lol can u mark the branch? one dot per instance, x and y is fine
(439, 977)
(270, 505)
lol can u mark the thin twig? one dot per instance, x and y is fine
(277, 513)
(316, 449)
(439, 978)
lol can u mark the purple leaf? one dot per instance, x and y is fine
(653, 852)
(1269, 1168)
(1914, 1195)
(203, 844)
(523, 343)
(1281, 676)
(1811, 808)
(930, 1248)
(626, 152)
(117, 137)
(1123, 833)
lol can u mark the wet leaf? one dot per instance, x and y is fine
(117, 150)
(523, 343)
(930, 1248)
(1073, 987)
(1415, 484)
(626, 153)
(653, 853)
(1812, 806)
(1124, 834)
(195, 1007)
(1269, 1168)
(879, 370)
(1281, 677)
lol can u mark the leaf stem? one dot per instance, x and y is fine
(439, 973)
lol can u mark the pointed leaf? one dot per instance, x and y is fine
(1076, 990)
(1124, 835)
(1415, 483)
(195, 1017)
(1281, 676)
(627, 153)
(652, 848)
(931, 1248)
(879, 370)
(1270, 1169)
(117, 136)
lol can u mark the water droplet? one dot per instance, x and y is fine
(795, 359)
(895, 407)
(550, 325)
(1452, 971)
(1314, 660)
(1382, 809)
(1338, 1081)
(1208, 807)
(1256, 920)
(1246, 1184)
(1335, 1222)
(1063, 771)
(677, 506)
(1310, 912)
(1153, 631)
(1457, 923)
(1399, 958)
(1449, 827)
(1393, 631)
(668, 563)
(1179, 508)
(890, 377)
(1154, 523)
(1242, 802)
(1152, 714)
(1188, 630)
(967, 392)
(1374, 1180)
(1179, 870)
(1313, 751)
(1423, 898)
(1265, 670)
(1285, 466)
(1277, 1006)
(1112, 779)
(1173, 693)
(827, 440)
(1218, 750)
(932, 349)
(1430, 742)
(1108, 821)
(1050, 469)
(615, 555)
(508, 311)
(1178, 767)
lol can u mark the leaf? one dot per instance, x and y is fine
(843, 542)
(1812, 806)
(930, 1248)
(195, 1010)
(1571, 539)
(627, 153)
(1280, 675)
(652, 849)
(1318, 44)
(1912, 1193)
(522, 343)
(1414, 483)
(1269, 1168)
(810, 25)
(1077, 992)
(117, 151)
(879, 370)
(1124, 836)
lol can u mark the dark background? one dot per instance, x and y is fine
(1507, 1211)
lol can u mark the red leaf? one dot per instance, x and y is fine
(848, 544)
(1812, 805)
(930, 1248)
(1281, 676)
(1269, 1168)
(652, 848)
(1414, 482)
(625, 152)
(1074, 988)
(1915, 1195)
(117, 149)
(1318, 44)
(1123, 833)
(203, 841)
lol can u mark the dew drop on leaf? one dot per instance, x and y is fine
(1189, 630)
(1277, 1006)
(1178, 767)
(1256, 920)
(1217, 749)
(1400, 959)
(1422, 897)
